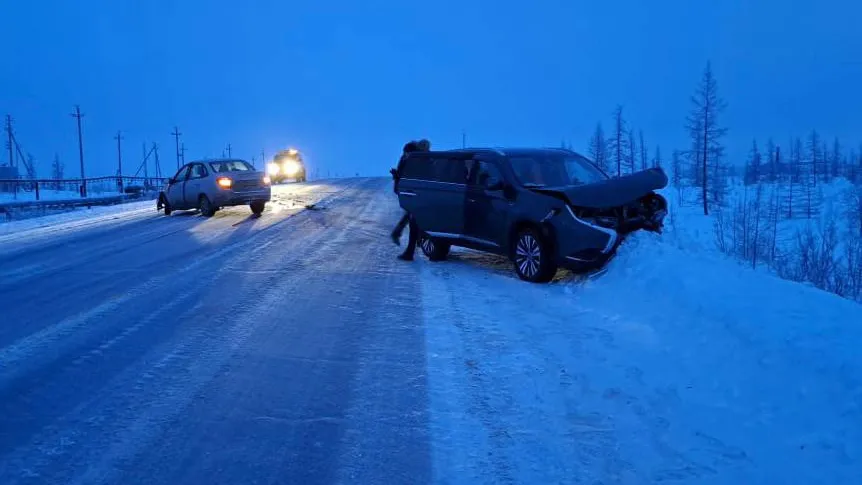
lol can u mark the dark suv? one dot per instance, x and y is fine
(543, 208)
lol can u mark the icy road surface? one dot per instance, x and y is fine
(295, 348)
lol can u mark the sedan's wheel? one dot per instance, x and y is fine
(206, 207)
(532, 257)
(257, 207)
(434, 250)
(164, 205)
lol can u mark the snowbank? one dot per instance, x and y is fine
(672, 366)
(78, 217)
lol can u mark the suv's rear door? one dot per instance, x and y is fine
(450, 171)
(432, 188)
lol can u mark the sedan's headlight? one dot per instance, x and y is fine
(267, 180)
(272, 169)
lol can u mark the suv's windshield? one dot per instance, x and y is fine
(231, 166)
(551, 169)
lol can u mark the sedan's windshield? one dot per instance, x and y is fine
(231, 166)
(551, 169)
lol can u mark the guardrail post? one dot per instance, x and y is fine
(36, 184)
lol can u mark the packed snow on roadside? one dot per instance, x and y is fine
(50, 194)
(78, 216)
(673, 366)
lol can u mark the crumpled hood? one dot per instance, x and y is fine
(612, 192)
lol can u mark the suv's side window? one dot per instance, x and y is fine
(417, 168)
(198, 171)
(450, 170)
(484, 174)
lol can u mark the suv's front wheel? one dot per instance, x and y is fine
(433, 249)
(532, 257)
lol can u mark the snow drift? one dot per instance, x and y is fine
(672, 366)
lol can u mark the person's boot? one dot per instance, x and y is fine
(396, 238)
(405, 257)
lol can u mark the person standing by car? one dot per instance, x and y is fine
(422, 145)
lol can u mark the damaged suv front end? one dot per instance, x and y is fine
(596, 217)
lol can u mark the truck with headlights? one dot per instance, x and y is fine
(285, 165)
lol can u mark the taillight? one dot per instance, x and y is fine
(224, 182)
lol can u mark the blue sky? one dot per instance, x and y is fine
(349, 82)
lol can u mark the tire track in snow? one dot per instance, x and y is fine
(385, 437)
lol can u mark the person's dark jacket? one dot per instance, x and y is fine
(409, 147)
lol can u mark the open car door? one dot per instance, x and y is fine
(433, 188)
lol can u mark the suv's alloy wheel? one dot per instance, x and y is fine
(427, 246)
(532, 261)
(434, 250)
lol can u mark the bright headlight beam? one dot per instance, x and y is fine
(290, 168)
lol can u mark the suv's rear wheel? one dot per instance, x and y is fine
(434, 249)
(532, 257)
(207, 208)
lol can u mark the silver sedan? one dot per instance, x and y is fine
(212, 184)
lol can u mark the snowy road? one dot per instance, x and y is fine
(294, 348)
(229, 350)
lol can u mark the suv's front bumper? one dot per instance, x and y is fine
(582, 245)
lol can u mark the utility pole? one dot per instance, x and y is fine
(156, 154)
(228, 151)
(183, 152)
(262, 157)
(10, 143)
(463, 139)
(77, 114)
(176, 135)
(119, 139)
(146, 163)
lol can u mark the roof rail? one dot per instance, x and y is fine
(482, 149)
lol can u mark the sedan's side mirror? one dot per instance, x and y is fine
(169, 181)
